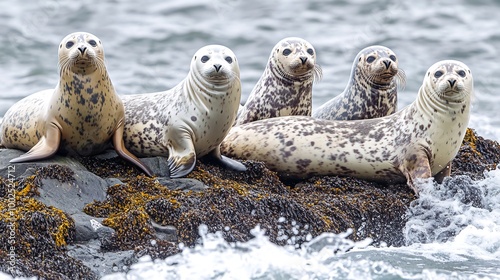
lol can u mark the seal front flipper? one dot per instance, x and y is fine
(120, 149)
(415, 167)
(46, 147)
(226, 162)
(181, 156)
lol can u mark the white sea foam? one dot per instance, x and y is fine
(260, 259)
(460, 218)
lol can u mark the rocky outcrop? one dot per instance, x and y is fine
(86, 217)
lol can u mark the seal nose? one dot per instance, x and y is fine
(452, 82)
(303, 59)
(387, 64)
(217, 67)
(82, 49)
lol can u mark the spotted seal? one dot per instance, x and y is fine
(285, 87)
(372, 88)
(191, 119)
(80, 116)
(416, 142)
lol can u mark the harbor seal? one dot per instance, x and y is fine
(191, 119)
(416, 142)
(80, 116)
(285, 87)
(372, 89)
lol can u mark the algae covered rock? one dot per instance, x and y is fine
(35, 236)
(86, 217)
(476, 155)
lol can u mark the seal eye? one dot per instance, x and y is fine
(205, 58)
(370, 59)
(461, 73)
(93, 43)
(69, 44)
(287, 52)
(438, 74)
(229, 59)
(310, 51)
(392, 57)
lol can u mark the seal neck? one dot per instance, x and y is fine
(83, 83)
(433, 106)
(205, 90)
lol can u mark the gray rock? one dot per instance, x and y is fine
(184, 184)
(158, 165)
(168, 233)
(87, 227)
(107, 237)
(107, 154)
(72, 197)
(17, 169)
(113, 181)
(102, 263)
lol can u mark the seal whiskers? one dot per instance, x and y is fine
(401, 79)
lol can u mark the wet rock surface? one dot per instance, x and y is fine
(69, 218)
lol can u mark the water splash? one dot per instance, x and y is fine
(320, 258)
(461, 217)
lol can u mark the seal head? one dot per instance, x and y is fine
(285, 87)
(372, 88)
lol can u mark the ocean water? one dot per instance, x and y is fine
(149, 44)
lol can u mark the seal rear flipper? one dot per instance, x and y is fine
(226, 162)
(124, 153)
(46, 146)
(439, 177)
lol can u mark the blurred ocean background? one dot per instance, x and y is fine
(148, 47)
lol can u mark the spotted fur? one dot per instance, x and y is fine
(417, 142)
(191, 119)
(285, 87)
(80, 116)
(372, 88)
